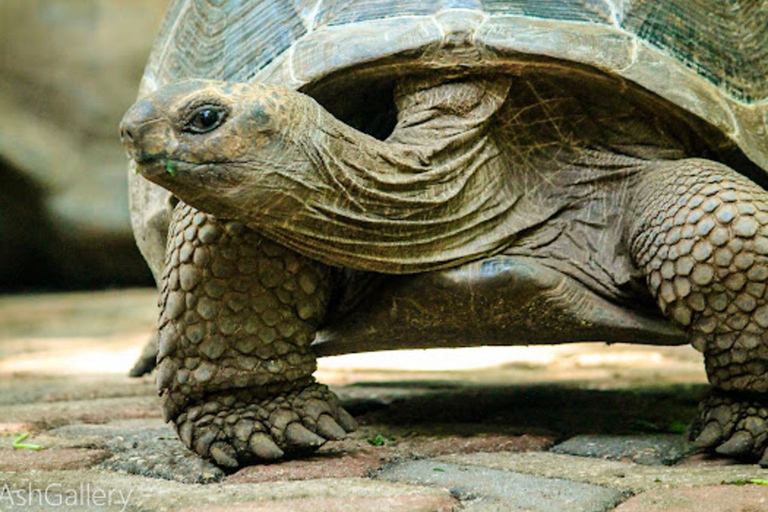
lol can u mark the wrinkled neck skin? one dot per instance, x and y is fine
(429, 197)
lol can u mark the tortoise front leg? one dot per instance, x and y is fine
(237, 315)
(700, 233)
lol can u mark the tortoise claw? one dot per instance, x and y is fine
(264, 447)
(741, 443)
(709, 436)
(329, 429)
(346, 420)
(224, 454)
(297, 434)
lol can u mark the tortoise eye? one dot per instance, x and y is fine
(205, 119)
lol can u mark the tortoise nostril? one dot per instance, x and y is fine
(126, 135)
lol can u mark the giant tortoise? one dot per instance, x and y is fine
(339, 176)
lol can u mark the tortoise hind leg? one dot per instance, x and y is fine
(700, 234)
(238, 314)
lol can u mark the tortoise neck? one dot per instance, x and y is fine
(413, 202)
(436, 114)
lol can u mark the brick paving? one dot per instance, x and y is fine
(573, 428)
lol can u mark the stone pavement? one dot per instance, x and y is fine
(571, 428)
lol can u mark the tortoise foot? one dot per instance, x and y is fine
(735, 425)
(236, 430)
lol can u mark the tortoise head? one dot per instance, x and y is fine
(204, 140)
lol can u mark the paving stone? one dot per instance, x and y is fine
(719, 498)
(556, 410)
(48, 459)
(338, 459)
(15, 428)
(169, 461)
(65, 490)
(49, 442)
(491, 505)
(370, 396)
(394, 503)
(146, 447)
(155, 495)
(626, 476)
(120, 430)
(515, 491)
(648, 449)
(425, 446)
(41, 502)
(102, 410)
(706, 459)
(27, 387)
(356, 457)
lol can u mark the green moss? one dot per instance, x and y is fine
(380, 440)
(377, 441)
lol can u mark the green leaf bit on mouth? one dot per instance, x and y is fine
(18, 445)
(169, 167)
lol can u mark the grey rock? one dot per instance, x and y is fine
(664, 449)
(144, 447)
(504, 490)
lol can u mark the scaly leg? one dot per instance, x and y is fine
(700, 234)
(238, 313)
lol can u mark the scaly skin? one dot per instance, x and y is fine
(238, 314)
(701, 236)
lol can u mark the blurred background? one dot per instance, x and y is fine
(68, 72)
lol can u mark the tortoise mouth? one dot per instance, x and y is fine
(155, 166)
(144, 159)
